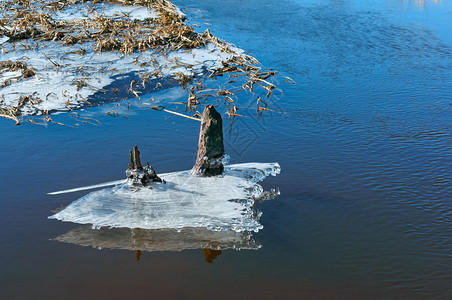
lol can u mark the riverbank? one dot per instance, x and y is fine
(63, 56)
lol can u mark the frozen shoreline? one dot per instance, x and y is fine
(67, 73)
(78, 77)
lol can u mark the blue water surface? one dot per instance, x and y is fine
(364, 139)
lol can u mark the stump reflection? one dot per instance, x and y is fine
(139, 240)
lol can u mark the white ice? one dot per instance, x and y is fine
(3, 39)
(82, 11)
(57, 85)
(8, 75)
(216, 203)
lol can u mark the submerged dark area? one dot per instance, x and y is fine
(364, 140)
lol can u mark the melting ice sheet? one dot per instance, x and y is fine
(216, 203)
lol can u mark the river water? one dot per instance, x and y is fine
(364, 140)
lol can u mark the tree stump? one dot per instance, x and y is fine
(210, 146)
(136, 174)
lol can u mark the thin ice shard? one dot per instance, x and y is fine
(216, 203)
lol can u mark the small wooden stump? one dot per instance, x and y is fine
(139, 175)
(210, 146)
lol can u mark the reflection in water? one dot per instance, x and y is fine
(170, 239)
(138, 240)
(210, 254)
(421, 4)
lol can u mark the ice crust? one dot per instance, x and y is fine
(66, 87)
(215, 203)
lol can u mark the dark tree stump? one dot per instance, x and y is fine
(140, 175)
(136, 155)
(210, 145)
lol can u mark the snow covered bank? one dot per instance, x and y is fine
(76, 49)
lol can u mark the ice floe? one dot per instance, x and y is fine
(216, 203)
